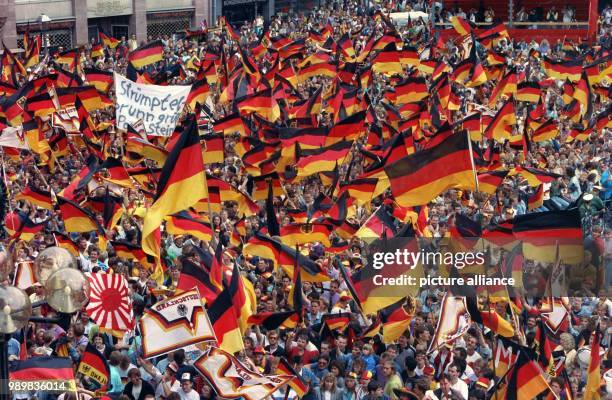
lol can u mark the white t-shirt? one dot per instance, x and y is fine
(174, 387)
(192, 395)
(461, 387)
(473, 358)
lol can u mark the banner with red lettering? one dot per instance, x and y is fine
(174, 323)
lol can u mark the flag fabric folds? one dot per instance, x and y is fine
(182, 183)
(148, 54)
(230, 378)
(420, 177)
(44, 368)
(176, 322)
(110, 305)
(94, 365)
(551, 234)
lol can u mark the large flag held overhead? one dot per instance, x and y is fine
(182, 183)
(232, 379)
(419, 178)
(225, 322)
(177, 322)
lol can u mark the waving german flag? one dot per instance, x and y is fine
(529, 92)
(411, 90)
(395, 321)
(360, 189)
(420, 177)
(189, 223)
(94, 365)
(261, 103)
(547, 131)
(500, 127)
(337, 321)
(29, 229)
(506, 86)
(297, 384)
(148, 54)
(199, 92)
(284, 256)
(535, 176)
(536, 199)
(526, 380)
(224, 321)
(108, 41)
(324, 159)
(563, 69)
(461, 26)
(62, 240)
(583, 94)
(230, 124)
(41, 105)
(259, 186)
(592, 388)
(109, 206)
(193, 275)
(549, 235)
(489, 318)
(473, 126)
(76, 218)
(294, 234)
(489, 181)
(101, 79)
(274, 320)
(82, 179)
(387, 61)
(380, 224)
(182, 183)
(45, 368)
(215, 148)
(600, 70)
(128, 251)
(37, 197)
(117, 172)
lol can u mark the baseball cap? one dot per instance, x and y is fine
(173, 366)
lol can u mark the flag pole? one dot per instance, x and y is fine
(10, 206)
(472, 159)
(496, 385)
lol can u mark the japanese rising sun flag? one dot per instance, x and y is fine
(110, 305)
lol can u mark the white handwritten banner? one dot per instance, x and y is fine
(159, 107)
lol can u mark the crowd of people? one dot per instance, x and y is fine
(345, 365)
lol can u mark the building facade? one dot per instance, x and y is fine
(71, 23)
